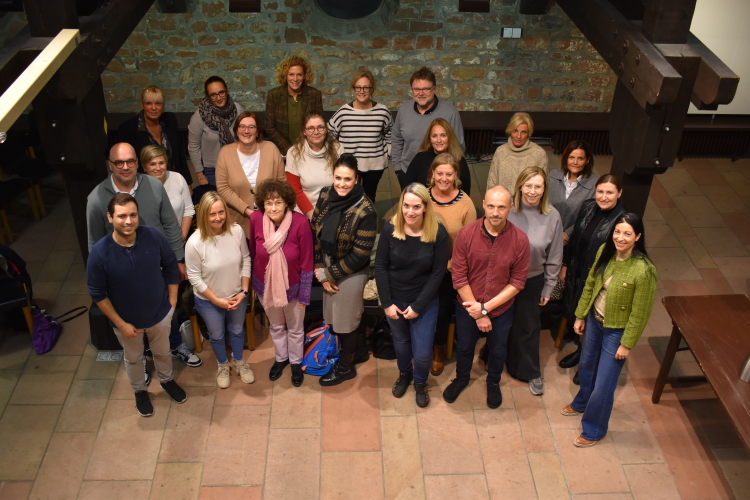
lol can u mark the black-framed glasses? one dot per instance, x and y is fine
(362, 89)
(121, 163)
(217, 95)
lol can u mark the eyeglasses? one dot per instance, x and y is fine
(362, 89)
(217, 95)
(319, 128)
(121, 163)
(247, 127)
(422, 91)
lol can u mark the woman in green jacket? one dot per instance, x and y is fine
(613, 311)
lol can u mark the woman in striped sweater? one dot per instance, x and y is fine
(363, 127)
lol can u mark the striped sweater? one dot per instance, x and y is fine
(366, 133)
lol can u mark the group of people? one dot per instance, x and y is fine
(280, 225)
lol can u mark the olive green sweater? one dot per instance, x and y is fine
(630, 295)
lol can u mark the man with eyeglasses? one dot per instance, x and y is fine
(413, 119)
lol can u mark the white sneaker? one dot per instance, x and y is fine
(246, 373)
(222, 378)
(183, 354)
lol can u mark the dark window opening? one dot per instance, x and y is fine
(348, 9)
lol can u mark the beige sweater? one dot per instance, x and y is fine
(509, 161)
(455, 216)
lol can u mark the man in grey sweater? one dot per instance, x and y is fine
(414, 118)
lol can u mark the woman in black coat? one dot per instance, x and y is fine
(592, 228)
(154, 127)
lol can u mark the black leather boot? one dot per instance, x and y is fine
(342, 371)
(571, 359)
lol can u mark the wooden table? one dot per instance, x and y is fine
(716, 329)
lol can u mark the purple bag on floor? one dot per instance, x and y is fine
(47, 329)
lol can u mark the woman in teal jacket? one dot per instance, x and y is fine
(613, 311)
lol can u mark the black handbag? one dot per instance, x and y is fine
(382, 340)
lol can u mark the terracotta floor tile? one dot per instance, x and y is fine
(176, 481)
(660, 235)
(740, 225)
(367, 467)
(75, 282)
(713, 421)
(699, 211)
(14, 351)
(678, 182)
(548, 476)
(696, 473)
(537, 435)
(652, 211)
(721, 242)
(297, 407)
(670, 416)
(351, 420)
(115, 490)
(697, 252)
(45, 380)
(45, 293)
(604, 496)
(91, 369)
(369, 367)
(389, 404)
(715, 281)
(698, 287)
(61, 473)
(629, 428)
(736, 270)
(735, 463)
(505, 462)
(673, 264)
(204, 374)
(643, 367)
(460, 487)
(705, 174)
(25, 432)
(448, 437)
(127, 445)
(121, 388)
(478, 388)
(739, 182)
(651, 481)
(15, 490)
(231, 493)
(187, 427)
(590, 470)
(75, 333)
(8, 381)
(724, 199)
(84, 406)
(237, 441)
(257, 393)
(57, 265)
(402, 462)
(559, 391)
(676, 221)
(659, 195)
(293, 466)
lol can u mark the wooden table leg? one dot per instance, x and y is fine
(666, 364)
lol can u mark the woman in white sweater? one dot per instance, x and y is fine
(218, 266)
(511, 158)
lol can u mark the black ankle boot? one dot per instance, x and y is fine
(342, 371)
(571, 359)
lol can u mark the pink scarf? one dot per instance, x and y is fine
(277, 279)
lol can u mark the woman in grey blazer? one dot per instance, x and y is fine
(572, 184)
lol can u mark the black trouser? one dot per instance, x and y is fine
(370, 181)
(446, 309)
(400, 176)
(348, 343)
(523, 340)
(467, 333)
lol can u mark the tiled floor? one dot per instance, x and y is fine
(68, 427)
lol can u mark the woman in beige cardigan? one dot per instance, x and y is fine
(244, 164)
(519, 153)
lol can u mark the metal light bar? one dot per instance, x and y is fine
(26, 87)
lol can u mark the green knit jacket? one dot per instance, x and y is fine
(630, 296)
(355, 239)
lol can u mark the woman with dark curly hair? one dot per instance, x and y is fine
(287, 105)
(281, 250)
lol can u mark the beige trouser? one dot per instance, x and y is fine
(158, 341)
(287, 331)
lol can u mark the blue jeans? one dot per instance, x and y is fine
(210, 174)
(216, 318)
(598, 371)
(467, 335)
(412, 338)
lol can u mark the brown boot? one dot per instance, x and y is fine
(438, 360)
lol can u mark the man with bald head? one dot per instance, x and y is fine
(490, 264)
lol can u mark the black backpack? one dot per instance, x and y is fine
(382, 340)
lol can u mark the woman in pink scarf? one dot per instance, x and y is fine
(281, 249)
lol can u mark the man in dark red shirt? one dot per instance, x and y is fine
(490, 264)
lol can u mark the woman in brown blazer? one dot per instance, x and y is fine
(244, 164)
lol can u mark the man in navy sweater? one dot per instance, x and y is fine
(132, 276)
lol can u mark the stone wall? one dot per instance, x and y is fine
(552, 68)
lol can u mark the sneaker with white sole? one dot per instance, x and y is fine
(183, 354)
(246, 373)
(536, 386)
(222, 378)
(143, 404)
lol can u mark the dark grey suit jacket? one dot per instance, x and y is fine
(569, 208)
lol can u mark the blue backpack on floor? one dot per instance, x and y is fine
(321, 350)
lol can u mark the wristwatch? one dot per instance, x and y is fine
(244, 291)
(484, 310)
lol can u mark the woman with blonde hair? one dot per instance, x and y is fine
(152, 126)
(455, 209)
(533, 215)
(363, 127)
(288, 104)
(309, 162)
(410, 264)
(439, 138)
(511, 158)
(243, 165)
(218, 266)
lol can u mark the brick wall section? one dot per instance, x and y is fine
(552, 68)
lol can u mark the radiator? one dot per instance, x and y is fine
(705, 144)
(479, 142)
(597, 140)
